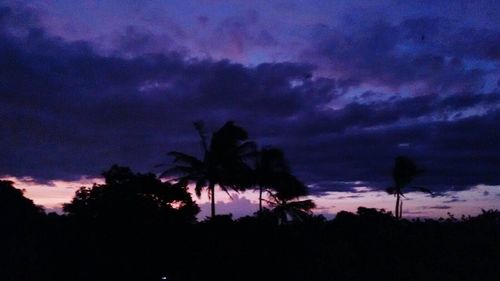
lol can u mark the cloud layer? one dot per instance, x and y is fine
(346, 104)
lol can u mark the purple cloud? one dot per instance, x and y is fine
(68, 109)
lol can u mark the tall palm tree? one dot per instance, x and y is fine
(223, 163)
(270, 166)
(403, 173)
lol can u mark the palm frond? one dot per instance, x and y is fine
(176, 170)
(200, 184)
(180, 157)
(226, 190)
(247, 150)
(200, 128)
(305, 205)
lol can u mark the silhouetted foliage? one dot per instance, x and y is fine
(272, 175)
(368, 245)
(223, 162)
(403, 173)
(14, 207)
(295, 210)
(270, 165)
(131, 198)
(284, 199)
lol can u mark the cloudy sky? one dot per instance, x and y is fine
(342, 87)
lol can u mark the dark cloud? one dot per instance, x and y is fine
(236, 36)
(454, 154)
(134, 41)
(439, 207)
(348, 197)
(431, 54)
(454, 199)
(202, 20)
(68, 110)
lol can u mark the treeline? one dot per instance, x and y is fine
(143, 227)
(113, 232)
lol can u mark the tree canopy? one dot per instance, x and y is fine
(132, 197)
(14, 207)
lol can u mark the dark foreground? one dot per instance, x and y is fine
(369, 245)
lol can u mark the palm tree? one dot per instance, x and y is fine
(403, 173)
(270, 166)
(223, 163)
(297, 209)
(284, 200)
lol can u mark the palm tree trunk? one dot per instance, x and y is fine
(397, 206)
(260, 199)
(212, 195)
(401, 208)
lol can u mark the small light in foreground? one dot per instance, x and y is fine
(164, 278)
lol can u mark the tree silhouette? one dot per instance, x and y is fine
(284, 200)
(403, 173)
(224, 162)
(14, 207)
(129, 197)
(270, 166)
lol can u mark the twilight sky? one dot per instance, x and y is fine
(341, 86)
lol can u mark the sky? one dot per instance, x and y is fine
(343, 87)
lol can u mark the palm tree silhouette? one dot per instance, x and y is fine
(403, 173)
(270, 166)
(284, 200)
(223, 163)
